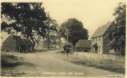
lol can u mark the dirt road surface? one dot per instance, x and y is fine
(52, 64)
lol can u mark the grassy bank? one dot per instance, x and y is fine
(103, 61)
(8, 60)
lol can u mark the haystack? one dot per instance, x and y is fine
(83, 45)
(13, 43)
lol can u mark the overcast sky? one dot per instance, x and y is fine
(92, 13)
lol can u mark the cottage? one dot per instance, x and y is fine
(83, 45)
(101, 38)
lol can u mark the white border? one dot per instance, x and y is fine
(27, 1)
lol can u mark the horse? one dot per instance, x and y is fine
(67, 49)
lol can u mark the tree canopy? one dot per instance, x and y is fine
(72, 30)
(118, 35)
(28, 18)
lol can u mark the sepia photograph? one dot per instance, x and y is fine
(63, 38)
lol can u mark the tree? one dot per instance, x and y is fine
(73, 30)
(118, 35)
(28, 19)
(52, 33)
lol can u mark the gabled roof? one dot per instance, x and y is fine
(83, 43)
(101, 30)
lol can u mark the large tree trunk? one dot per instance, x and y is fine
(33, 43)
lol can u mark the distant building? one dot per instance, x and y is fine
(53, 41)
(101, 38)
(83, 45)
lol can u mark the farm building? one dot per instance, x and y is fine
(101, 39)
(83, 45)
(15, 43)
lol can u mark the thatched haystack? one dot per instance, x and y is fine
(15, 43)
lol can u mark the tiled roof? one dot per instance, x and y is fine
(101, 30)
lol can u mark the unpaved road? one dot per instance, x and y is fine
(52, 64)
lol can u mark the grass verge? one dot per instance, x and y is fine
(103, 61)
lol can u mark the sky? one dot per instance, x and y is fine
(92, 13)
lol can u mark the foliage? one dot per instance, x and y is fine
(118, 34)
(73, 30)
(28, 18)
(52, 34)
